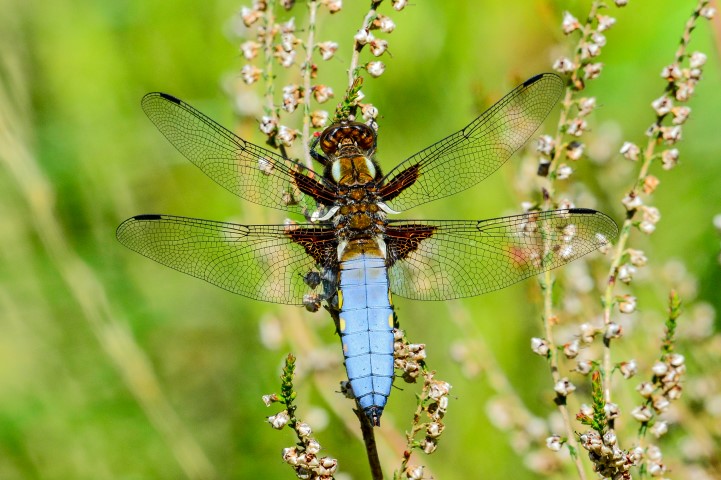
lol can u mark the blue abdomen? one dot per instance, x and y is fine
(366, 324)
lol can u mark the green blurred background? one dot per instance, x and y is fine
(112, 366)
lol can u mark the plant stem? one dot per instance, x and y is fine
(357, 47)
(369, 440)
(307, 70)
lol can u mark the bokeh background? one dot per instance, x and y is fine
(112, 366)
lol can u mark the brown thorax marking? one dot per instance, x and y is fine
(360, 216)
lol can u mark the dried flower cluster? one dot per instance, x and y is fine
(584, 353)
(587, 345)
(303, 457)
(608, 458)
(278, 43)
(581, 67)
(408, 357)
(432, 402)
(268, 44)
(558, 153)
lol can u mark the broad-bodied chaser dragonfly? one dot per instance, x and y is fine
(350, 254)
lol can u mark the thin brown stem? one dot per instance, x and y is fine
(620, 250)
(369, 439)
(549, 318)
(268, 77)
(307, 70)
(357, 47)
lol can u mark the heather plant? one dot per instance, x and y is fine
(275, 45)
(590, 318)
(579, 339)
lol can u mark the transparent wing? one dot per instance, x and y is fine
(466, 157)
(264, 262)
(249, 171)
(440, 260)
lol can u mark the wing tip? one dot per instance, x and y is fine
(147, 216)
(583, 211)
(164, 96)
(533, 80)
(169, 97)
(541, 76)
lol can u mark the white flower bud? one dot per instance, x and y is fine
(676, 359)
(632, 201)
(250, 74)
(642, 413)
(605, 22)
(609, 438)
(564, 387)
(570, 350)
(645, 389)
(322, 93)
(334, 6)
(584, 367)
(312, 447)
(660, 404)
(554, 443)
(564, 65)
(627, 304)
(708, 12)
(570, 23)
(375, 69)
(385, 24)
(414, 472)
(697, 60)
(613, 330)
(399, 5)
(630, 151)
(363, 36)
(628, 369)
(279, 420)
(290, 455)
(611, 410)
(378, 47)
(438, 389)
(434, 429)
(626, 272)
(659, 428)
(563, 172)
(327, 49)
(303, 429)
(539, 346)
(659, 369)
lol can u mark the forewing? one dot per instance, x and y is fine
(264, 262)
(466, 157)
(441, 260)
(249, 171)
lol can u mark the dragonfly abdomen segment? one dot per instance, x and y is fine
(366, 328)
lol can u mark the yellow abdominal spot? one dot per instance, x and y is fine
(340, 299)
(390, 320)
(341, 324)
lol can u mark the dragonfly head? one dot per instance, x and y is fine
(348, 138)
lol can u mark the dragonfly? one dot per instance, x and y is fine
(348, 252)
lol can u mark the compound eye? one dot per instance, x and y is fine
(330, 138)
(365, 136)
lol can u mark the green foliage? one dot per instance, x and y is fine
(72, 75)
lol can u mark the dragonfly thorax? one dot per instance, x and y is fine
(353, 170)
